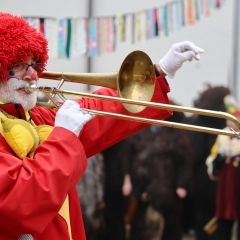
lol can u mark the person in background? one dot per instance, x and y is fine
(90, 190)
(44, 152)
(204, 189)
(162, 177)
(116, 188)
(223, 167)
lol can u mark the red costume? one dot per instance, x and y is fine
(33, 190)
(228, 194)
(223, 166)
(228, 181)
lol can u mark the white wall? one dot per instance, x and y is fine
(213, 33)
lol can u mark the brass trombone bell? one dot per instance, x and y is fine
(135, 79)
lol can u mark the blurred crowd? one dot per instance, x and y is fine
(163, 183)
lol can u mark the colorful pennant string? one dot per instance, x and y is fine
(73, 37)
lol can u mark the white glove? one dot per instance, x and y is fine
(177, 55)
(72, 117)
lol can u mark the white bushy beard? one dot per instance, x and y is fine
(9, 93)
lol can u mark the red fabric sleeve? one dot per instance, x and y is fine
(33, 190)
(102, 132)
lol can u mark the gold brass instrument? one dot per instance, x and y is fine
(135, 79)
(135, 83)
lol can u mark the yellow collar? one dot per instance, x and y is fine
(26, 112)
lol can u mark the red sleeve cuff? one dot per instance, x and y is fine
(164, 85)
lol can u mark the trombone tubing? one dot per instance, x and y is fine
(167, 124)
(159, 122)
(209, 113)
(154, 105)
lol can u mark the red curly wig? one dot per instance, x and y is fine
(18, 42)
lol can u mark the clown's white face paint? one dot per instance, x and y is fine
(13, 91)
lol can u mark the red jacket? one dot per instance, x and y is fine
(33, 191)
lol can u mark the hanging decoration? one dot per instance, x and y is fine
(73, 37)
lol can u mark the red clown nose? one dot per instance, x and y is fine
(33, 76)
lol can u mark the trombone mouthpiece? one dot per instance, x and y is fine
(30, 88)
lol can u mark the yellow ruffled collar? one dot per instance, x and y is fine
(26, 112)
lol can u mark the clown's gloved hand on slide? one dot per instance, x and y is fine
(177, 55)
(72, 117)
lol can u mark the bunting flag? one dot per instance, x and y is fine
(73, 37)
(109, 35)
(211, 3)
(206, 7)
(41, 25)
(165, 19)
(133, 28)
(160, 19)
(197, 15)
(152, 23)
(183, 13)
(150, 27)
(100, 36)
(69, 34)
(92, 41)
(128, 28)
(218, 3)
(170, 17)
(61, 38)
(79, 37)
(121, 34)
(138, 25)
(177, 18)
(190, 8)
(148, 24)
(50, 33)
(114, 33)
(156, 17)
(143, 26)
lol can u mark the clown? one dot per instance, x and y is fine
(39, 171)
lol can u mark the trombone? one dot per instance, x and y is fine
(135, 83)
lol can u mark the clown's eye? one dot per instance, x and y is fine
(18, 67)
(38, 67)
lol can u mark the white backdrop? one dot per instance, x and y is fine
(213, 33)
